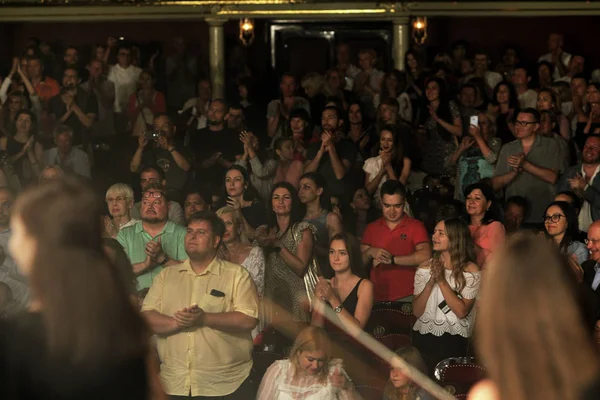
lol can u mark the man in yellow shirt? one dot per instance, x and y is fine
(203, 312)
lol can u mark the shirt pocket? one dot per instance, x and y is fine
(215, 304)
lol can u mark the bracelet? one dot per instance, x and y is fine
(165, 260)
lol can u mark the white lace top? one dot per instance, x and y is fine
(280, 383)
(255, 265)
(434, 320)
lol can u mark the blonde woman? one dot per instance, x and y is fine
(310, 373)
(119, 199)
(236, 247)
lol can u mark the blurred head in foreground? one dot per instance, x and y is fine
(531, 333)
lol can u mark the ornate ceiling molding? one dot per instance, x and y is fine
(128, 10)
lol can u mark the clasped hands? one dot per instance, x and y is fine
(517, 162)
(189, 317)
(154, 252)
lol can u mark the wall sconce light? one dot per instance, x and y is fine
(419, 32)
(247, 31)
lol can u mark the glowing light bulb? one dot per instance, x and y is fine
(418, 25)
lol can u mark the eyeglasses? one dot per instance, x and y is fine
(554, 218)
(118, 199)
(156, 195)
(524, 123)
(592, 241)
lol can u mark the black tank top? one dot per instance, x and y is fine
(351, 300)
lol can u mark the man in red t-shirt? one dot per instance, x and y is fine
(394, 246)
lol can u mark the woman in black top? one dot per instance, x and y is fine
(348, 292)
(82, 337)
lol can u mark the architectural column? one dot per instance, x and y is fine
(401, 41)
(216, 55)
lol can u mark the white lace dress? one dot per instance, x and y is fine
(280, 383)
(255, 265)
(433, 320)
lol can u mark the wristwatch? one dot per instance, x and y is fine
(165, 260)
(338, 309)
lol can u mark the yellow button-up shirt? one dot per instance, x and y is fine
(204, 361)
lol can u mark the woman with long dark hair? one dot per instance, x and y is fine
(445, 290)
(561, 225)
(288, 245)
(348, 292)
(504, 106)
(443, 126)
(484, 218)
(23, 148)
(390, 164)
(243, 197)
(313, 194)
(359, 213)
(538, 349)
(82, 337)
(548, 100)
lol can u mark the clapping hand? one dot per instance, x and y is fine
(189, 317)
(337, 379)
(577, 182)
(323, 289)
(154, 250)
(433, 113)
(381, 256)
(516, 161)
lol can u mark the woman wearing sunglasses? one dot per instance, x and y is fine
(560, 224)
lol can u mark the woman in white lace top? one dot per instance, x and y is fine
(445, 290)
(309, 374)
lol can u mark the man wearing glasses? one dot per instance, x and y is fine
(154, 242)
(529, 166)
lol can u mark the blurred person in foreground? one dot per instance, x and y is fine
(310, 372)
(539, 348)
(82, 337)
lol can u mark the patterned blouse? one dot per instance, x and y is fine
(282, 285)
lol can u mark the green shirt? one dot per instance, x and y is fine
(134, 240)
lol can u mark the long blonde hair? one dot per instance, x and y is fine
(311, 338)
(531, 333)
(461, 249)
(412, 356)
(236, 217)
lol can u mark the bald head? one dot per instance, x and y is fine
(593, 244)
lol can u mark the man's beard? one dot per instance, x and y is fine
(213, 122)
(153, 220)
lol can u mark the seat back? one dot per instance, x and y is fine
(459, 374)
(386, 321)
(394, 341)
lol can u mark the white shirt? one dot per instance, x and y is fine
(585, 215)
(191, 103)
(528, 99)
(125, 80)
(565, 58)
(434, 320)
(77, 161)
(492, 79)
(372, 166)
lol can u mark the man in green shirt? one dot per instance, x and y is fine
(154, 242)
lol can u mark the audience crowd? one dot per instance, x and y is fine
(366, 188)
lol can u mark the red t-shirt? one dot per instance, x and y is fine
(392, 282)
